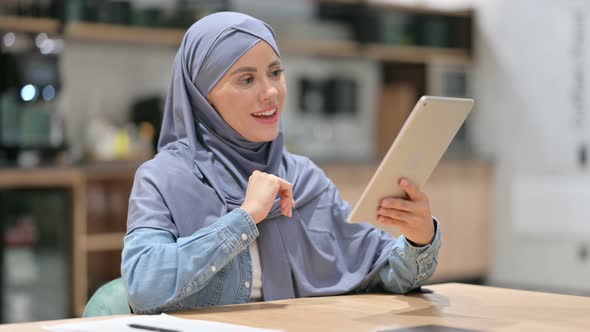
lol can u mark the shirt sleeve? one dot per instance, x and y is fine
(160, 269)
(408, 266)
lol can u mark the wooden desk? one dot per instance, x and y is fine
(456, 305)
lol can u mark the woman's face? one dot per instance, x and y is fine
(251, 95)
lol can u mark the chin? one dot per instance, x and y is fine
(265, 137)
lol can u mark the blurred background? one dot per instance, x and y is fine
(82, 84)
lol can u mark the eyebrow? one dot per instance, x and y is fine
(253, 69)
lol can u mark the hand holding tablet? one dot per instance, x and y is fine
(413, 155)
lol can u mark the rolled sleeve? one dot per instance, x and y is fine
(239, 230)
(424, 256)
(409, 265)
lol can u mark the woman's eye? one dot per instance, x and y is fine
(276, 72)
(247, 80)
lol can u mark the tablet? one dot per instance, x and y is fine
(415, 152)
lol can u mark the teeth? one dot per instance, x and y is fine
(267, 113)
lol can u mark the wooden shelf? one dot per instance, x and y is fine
(29, 24)
(341, 2)
(117, 170)
(335, 48)
(63, 177)
(40, 177)
(416, 54)
(172, 37)
(77, 180)
(419, 9)
(80, 310)
(104, 241)
(331, 48)
(123, 34)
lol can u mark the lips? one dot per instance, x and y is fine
(269, 115)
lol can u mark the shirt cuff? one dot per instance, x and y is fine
(413, 245)
(424, 254)
(239, 229)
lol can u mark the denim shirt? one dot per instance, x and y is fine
(213, 266)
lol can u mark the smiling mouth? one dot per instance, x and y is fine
(266, 114)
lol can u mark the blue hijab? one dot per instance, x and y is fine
(202, 168)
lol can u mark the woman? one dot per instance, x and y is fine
(224, 214)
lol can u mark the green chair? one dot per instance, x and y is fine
(109, 299)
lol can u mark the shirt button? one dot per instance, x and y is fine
(244, 237)
(213, 268)
(247, 284)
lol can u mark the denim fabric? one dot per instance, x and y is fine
(212, 266)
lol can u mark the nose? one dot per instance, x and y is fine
(269, 91)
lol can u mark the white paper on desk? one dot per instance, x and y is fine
(164, 321)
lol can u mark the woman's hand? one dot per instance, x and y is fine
(262, 190)
(411, 216)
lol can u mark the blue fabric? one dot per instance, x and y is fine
(192, 190)
(164, 273)
(201, 153)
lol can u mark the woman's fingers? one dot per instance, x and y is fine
(412, 216)
(262, 192)
(286, 194)
(391, 221)
(399, 204)
(285, 189)
(417, 204)
(398, 215)
(412, 190)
